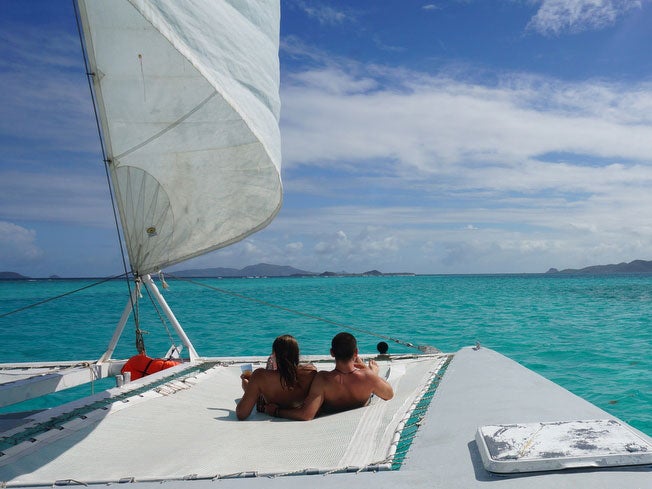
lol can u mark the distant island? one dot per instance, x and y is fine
(259, 270)
(268, 270)
(636, 266)
(370, 273)
(12, 276)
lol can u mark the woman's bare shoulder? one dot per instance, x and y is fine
(263, 373)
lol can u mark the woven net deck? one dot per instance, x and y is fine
(185, 428)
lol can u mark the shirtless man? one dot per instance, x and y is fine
(348, 386)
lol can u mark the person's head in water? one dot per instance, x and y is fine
(344, 346)
(286, 351)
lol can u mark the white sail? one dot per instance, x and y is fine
(188, 98)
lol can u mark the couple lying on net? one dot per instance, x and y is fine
(300, 392)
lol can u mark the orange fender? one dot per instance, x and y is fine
(141, 365)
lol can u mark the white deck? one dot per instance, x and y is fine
(479, 388)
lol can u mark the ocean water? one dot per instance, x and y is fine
(592, 335)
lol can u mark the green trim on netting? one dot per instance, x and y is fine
(57, 422)
(412, 424)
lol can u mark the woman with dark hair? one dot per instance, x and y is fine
(284, 382)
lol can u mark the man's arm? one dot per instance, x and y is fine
(310, 406)
(381, 387)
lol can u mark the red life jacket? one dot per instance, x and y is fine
(141, 365)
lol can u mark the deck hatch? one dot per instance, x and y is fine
(534, 447)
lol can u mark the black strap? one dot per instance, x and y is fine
(145, 372)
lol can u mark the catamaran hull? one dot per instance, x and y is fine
(479, 387)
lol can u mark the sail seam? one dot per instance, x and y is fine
(183, 49)
(168, 128)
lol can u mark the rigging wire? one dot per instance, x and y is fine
(422, 348)
(50, 299)
(107, 162)
(140, 340)
(89, 78)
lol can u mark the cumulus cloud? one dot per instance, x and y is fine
(338, 243)
(558, 16)
(435, 122)
(363, 247)
(250, 248)
(550, 168)
(547, 170)
(295, 247)
(17, 246)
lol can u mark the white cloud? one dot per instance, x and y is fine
(440, 123)
(364, 247)
(437, 123)
(251, 249)
(336, 244)
(556, 172)
(557, 16)
(334, 81)
(17, 246)
(368, 242)
(550, 173)
(295, 247)
(323, 13)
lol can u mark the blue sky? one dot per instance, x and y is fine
(430, 137)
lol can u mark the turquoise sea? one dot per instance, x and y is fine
(590, 334)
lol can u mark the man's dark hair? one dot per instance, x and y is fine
(343, 346)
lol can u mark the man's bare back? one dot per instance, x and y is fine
(350, 389)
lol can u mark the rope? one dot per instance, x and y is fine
(140, 341)
(59, 296)
(160, 316)
(422, 348)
